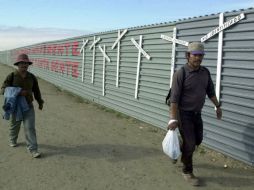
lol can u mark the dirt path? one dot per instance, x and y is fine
(87, 147)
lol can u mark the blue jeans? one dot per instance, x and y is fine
(29, 129)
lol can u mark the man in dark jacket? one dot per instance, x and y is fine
(188, 93)
(29, 85)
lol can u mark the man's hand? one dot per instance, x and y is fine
(40, 106)
(219, 113)
(172, 124)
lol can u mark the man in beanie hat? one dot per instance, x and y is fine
(190, 86)
(30, 88)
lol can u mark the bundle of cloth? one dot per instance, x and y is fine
(14, 103)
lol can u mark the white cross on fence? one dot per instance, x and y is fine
(140, 51)
(82, 49)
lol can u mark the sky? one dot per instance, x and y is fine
(26, 22)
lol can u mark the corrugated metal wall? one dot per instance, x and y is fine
(59, 62)
(49, 60)
(234, 135)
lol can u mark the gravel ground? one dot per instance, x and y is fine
(88, 147)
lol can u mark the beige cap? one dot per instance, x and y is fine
(196, 48)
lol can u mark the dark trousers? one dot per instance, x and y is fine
(191, 130)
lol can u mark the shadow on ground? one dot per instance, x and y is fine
(230, 177)
(111, 152)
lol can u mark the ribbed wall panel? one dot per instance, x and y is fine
(154, 73)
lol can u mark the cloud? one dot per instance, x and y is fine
(14, 37)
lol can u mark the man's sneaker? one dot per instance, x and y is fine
(191, 178)
(13, 144)
(35, 154)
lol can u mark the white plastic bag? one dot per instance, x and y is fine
(170, 144)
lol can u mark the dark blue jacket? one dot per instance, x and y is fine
(14, 104)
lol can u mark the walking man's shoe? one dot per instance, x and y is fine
(35, 154)
(191, 178)
(13, 144)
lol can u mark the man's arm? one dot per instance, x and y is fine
(7, 82)
(174, 110)
(211, 94)
(217, 105)
(173, 122)
(176, 93)
(215, 101)
(37, 93)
